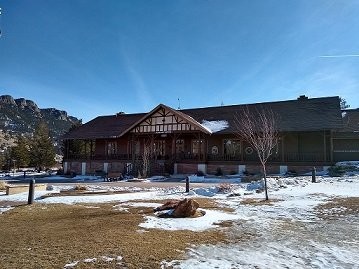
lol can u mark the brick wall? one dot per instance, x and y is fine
(184, 168)
(91, 167)
(226, 169)
(303, 168)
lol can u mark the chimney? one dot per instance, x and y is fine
(302, 97)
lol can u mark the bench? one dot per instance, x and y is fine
(114, 176)
(14, 189)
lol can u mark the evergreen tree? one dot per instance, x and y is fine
(2, 161)
(21, 152)
(343, 103)
(42, 150)
(5, 159)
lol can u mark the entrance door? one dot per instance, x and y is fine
(160, 149)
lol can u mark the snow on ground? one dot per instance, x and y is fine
(202, 179)
(309, 242)
(288, 233)
(4, 209)
(193, 224)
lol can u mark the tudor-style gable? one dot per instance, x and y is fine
(164, 119)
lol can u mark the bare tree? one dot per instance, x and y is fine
(259, 129)
(146, 155)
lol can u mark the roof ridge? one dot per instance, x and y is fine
(261, 103)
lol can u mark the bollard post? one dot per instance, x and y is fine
(187, 184)
(30, 199)
(24, 174)
(314, 172)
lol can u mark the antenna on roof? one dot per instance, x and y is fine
(179, 103)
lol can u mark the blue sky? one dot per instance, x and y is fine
(100, 57)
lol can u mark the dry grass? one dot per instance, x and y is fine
(80, 187)
(50, 236)
(3, 185)
(338, 207)
(257, 201)
(225, 188)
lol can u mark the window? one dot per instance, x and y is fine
(197, 147)
(111, 148)
(137, 148)
(160, 147)
(232, 147)
(179, 145)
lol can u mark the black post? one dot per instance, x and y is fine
(314, 172)
(187, 184)
(24, 174)
(30, 199)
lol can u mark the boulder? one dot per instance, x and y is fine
(185, 208)
(181, 209)
(168, 205)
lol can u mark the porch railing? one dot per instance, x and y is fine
(288, 157)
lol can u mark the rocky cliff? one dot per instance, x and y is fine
(21, 116)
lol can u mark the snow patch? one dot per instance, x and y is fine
(4, 209)
(215, 126)
(193, 224)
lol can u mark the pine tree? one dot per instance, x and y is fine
(21, 152)
(343, 103)
(42, 150)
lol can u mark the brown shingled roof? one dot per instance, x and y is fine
(302, 114)
(104, 127)
(351, 120)
(294, 115)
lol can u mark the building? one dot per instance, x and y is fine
(313, 132)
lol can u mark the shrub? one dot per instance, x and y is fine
(80, 188)
(339, 170)
(233, 173)
(200, 173)
(3, 185)
(225, 188)
(219, 171)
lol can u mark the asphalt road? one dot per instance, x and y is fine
(168, 183)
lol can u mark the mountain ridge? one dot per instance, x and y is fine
(20, 116)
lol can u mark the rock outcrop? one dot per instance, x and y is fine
(21, 116)
(181, 208)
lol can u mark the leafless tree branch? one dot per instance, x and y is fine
(258, 128)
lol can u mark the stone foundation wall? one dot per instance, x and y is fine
(187, 168)
(229, 169)
(193, 168)
(92, 167)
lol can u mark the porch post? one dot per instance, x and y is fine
(91, 149)
(325, 145)
(200, 146)
(331, 146)
(173, 152)
(282, 146)
(205, 137)
(67, 148)
(85, 155)
(133, 150)
(242, 149)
